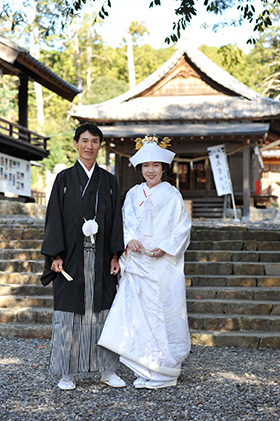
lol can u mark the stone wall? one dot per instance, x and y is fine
(13, 208)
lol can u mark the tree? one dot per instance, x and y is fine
(29, 32)
(58, 13)
(147, 59)
(260, 69)
(230, 58)
(34, 30)
(8, 97)
(267, 51)
(135, 31)
(247, 12)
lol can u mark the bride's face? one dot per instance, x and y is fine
(152, 172)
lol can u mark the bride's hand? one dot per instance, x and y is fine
(158, 252)
(135, 245)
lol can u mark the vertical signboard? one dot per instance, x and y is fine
(15, 175)
(221, 174)
(220, 169)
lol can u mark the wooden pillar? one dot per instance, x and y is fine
(107, 151)
(120, 172)
(23, 101)
(208, 175)
(246, 181)
(117, 166)
(118, 169)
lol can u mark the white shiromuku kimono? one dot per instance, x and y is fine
(147, 323)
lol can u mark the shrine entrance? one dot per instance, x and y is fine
(194, 176)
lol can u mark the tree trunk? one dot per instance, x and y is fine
(89, 57)
(78, 61)
(130, 61)
(35, 52)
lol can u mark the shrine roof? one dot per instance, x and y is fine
(231, 99)
(15, 60)
(180, 108)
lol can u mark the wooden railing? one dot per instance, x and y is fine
(15, 131)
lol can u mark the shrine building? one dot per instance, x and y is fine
(198, 105)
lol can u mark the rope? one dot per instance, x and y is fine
(178, 159)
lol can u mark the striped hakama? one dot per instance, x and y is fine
(74, 336)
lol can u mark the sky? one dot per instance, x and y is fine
(159, 20)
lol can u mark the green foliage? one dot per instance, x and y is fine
(8, 97)
(54, 16)
(147, 60)
(265, 57)
(260, 69)
(229, 57)
(235, 62)
(257, 66)
(247, 12)
(56, 155)
(137, 29)
(265, 67)
(104, 88)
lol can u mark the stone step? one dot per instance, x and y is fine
(22, 215)
(232, 281)
(21, 233)
(217, 234)
(26, 315)
(36, 266)
(21, 244)
(233, 322)
(210, 212)
(20, 254)
(265, 307)
(21, 223)
(232, 275)
(11, 301)
(235, 245)
(26, 289)
(27, 330)
(20, 278)
(255, 339)
(231, 268)
(234, 293)
(232, 256)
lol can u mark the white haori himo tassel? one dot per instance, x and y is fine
(149, 223)
(90, 228)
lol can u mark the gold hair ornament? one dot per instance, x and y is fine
(163, 143)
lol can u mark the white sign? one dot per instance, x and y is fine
(220, 169)
(15, 175)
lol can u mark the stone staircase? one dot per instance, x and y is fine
(25, 305)
(232, 275)
(208, 207)
(233, 286)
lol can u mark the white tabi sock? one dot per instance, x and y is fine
(106, 374)
(68, 377)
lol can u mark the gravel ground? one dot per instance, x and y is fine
(215, 384)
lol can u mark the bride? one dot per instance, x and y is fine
(147, 324)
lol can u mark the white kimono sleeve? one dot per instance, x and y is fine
(129, 216)
(178, 230)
